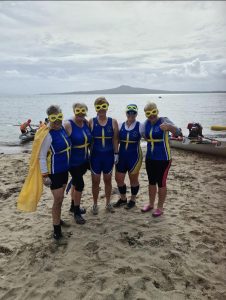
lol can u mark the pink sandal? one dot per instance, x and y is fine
(157, 213)
(146, 208)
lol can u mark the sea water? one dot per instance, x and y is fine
(208, 109)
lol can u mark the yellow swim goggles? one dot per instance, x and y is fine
(101, 106)
(78, 111)
(54, 118)
(131, 108)
(152, 112)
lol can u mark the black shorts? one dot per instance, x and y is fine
(157, 171)
(58, 180)
(77, 172)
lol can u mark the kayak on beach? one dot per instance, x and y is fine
(204, 145)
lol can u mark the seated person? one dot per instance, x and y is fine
(195, 130)
(25, 125)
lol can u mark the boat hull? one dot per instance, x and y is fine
(27, 137)
(207, 148)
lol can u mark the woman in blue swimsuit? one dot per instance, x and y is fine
(54, 160)
(130, 157)
(78, 130)
(104, 151)
(158, 156)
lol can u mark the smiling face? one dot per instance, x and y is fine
(55, 120)
(80, 111)
(101, 106)
(55, 117)
(56, 125)
(131, 116)
(151, 112)
(131, 112)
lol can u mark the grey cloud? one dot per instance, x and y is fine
(23, 12)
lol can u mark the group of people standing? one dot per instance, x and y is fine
(78, 145)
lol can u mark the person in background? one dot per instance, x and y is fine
(178, 136)
(78, 130)
(104, 151)
(130, 157)
(158, 156)
(54, 161)
(24, 127)
(195, 130)
(40, 124)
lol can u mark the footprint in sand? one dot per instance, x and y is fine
(5, 250)
(92, 246)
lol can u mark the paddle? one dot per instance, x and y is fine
(186, 140)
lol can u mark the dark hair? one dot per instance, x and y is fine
(53, 109)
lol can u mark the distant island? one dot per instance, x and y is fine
(126, 89)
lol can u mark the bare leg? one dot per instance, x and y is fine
(162, 197)
(152, 194)
(95, 187)
(58, 196)
(108, 187)
(76, 196)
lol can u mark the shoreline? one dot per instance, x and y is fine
(126, 255)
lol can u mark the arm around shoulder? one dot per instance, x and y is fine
(67, 127)
(90, 124)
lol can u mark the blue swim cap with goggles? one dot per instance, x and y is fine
(131, 109)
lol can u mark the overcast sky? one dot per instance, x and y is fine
(59, 46)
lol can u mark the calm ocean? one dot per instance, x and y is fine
(208, 109)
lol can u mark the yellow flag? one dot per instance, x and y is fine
(32, 189)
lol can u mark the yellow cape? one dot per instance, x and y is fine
(32, 189)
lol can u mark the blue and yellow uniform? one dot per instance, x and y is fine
(158, 147)
(158, 156)
(130, 153)
(58, 156)
(80, 138)
(102, 150)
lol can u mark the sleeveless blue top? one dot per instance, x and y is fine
(80, 138)
(102, 136)
(58, 156)
(158, 147)
(129, 139)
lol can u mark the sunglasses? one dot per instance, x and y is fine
(131, 113)
(152, 112)
(101, 106)
(132, 107)
(54, 118)
(78, 111)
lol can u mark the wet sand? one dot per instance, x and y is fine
(126, 255)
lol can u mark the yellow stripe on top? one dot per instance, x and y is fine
(166, 135)
(153, 141)
(127, 140)
(66, 149)
(103, 137)
(85, 145)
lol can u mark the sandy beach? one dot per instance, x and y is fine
(126, 255)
